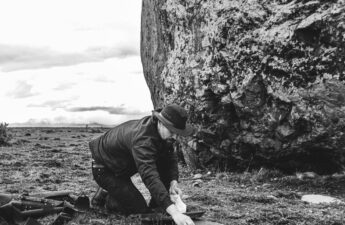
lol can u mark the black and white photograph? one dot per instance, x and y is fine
(172, 112)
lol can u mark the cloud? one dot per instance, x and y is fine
(111, 110)
(64, 86)
(106, 52)
(53, 104)
(22, 90)
(104, 79)
(59, 121)
(13, 57)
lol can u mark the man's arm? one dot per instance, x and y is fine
(145, 154)
(172, 163)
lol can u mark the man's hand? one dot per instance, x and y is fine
(179, 218)
(174, 189)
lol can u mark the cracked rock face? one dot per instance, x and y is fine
(264, 81)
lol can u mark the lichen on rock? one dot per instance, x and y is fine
(264, 81)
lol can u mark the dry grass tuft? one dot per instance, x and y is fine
(5, 137)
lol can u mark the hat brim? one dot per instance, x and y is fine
(188, 131)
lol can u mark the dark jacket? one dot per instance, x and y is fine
(136, 146)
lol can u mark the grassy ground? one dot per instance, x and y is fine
(51, 159)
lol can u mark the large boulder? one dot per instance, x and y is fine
(264, 81)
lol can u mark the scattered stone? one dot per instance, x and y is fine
(317, 199)
(272, 197)
(338, 175)
(306, 175)
(197, 183)
(197, 176)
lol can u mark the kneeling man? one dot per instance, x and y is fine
(141, 146)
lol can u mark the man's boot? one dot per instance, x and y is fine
(98, 200)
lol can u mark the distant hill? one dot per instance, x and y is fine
(58, 125)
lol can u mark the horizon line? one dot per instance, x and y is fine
(83, 125)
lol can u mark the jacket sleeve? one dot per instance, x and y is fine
(172, 163)
(145, 154)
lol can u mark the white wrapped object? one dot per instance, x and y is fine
(181, 207)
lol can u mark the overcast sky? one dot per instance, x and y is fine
(71, 61)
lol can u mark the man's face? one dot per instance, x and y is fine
(165, 132)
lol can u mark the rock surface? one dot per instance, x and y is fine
(264, 80)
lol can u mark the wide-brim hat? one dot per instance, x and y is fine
(174, 117)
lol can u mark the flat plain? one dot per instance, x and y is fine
(58, 159)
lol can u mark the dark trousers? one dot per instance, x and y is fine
(123, 196)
